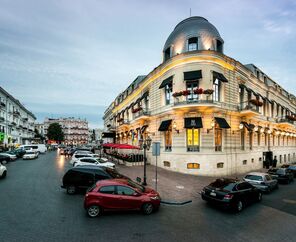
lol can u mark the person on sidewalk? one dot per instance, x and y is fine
(274, 162)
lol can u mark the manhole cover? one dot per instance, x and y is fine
(180, 187)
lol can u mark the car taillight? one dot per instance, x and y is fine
(228, 196)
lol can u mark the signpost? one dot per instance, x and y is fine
(156, 152)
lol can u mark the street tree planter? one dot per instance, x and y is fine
(256, 102)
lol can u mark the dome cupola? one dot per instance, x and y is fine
(194, 33)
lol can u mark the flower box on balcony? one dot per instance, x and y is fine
(198, 91)
(181, 93)
(135, 110)
(208, 91)
(256, 102)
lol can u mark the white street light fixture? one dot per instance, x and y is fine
(241, 126)
(262, 130)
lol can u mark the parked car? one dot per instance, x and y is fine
(78, 156)
(18, 152)
(282, 174)
(30, 155)
(4, 158)
(41, 148)
(290, 167)
(29, 147)
(3, 171)
(120, 194)
(231, 194)
(262, 181)
(83, 177)
(93, 161)
(11, 156)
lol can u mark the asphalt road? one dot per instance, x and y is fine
(33, 207)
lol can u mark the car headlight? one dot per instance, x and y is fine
(155, 198)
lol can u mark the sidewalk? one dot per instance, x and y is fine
(173, 187)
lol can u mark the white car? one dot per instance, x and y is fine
(11, 156)
(3, 171)
(30, 155)
(77, 156)
(93, 161)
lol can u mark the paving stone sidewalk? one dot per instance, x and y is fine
(172, 186)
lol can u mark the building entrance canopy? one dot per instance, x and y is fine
(222, 123)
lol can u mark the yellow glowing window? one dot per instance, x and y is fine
(192, 137)
(193, 166)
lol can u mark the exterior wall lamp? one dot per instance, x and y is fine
(241, 126)
(262, 130)
(256, 128)
(175, 127)
(212, 126)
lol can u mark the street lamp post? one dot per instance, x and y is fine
(146, 146)
(101, 143)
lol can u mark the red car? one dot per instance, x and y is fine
(120, 194)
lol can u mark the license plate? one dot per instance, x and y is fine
(213, 194)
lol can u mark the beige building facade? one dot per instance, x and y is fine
(211, 114)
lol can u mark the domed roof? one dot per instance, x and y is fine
(195, 26)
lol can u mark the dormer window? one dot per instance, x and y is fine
(192, 44)
(167, 54)
(219, 46)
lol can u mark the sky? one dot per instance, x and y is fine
(71, 58)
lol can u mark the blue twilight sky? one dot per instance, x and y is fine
(72, 57)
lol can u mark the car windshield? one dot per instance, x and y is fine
(136, 185)
(100, 160)
(30, 153)
(281, 171)
(223, 184)
(254, 177)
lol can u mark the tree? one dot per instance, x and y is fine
(38, 135)
(55, 132)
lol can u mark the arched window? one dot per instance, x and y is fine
(167, 54)
(192, 44)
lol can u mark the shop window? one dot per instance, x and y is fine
(166, 164)
(167, 54)
(218, 138)
(220, 165)
(193, 140)
(168, 93)
(244, 162)
(216, 89)
(192, 44)
(193, 166)
(168, 139)
(190, 86)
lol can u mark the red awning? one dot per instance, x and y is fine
(121, 146)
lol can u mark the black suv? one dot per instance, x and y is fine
(282, 174)
(4, 159)
(83, 177)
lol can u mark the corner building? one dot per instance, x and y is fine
(211, 114)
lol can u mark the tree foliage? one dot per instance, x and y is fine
(55, 132)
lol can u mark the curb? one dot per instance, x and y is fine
(176, 203)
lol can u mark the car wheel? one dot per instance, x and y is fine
(93, 211)
(239, 206)
(71, 190)
(147, 208)
(4, 162)
(4, 174)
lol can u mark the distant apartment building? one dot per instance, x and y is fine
(16, 121)
(94, 135)
(75, 130)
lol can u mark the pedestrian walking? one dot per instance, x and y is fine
(274, 162)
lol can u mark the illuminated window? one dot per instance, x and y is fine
(168, 93)
(192, 44)
(193, 166)
(168, 139)
(218, 138)
(216, 88)
(193, 139)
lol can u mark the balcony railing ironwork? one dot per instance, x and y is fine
(141, 113)
(206, 102)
